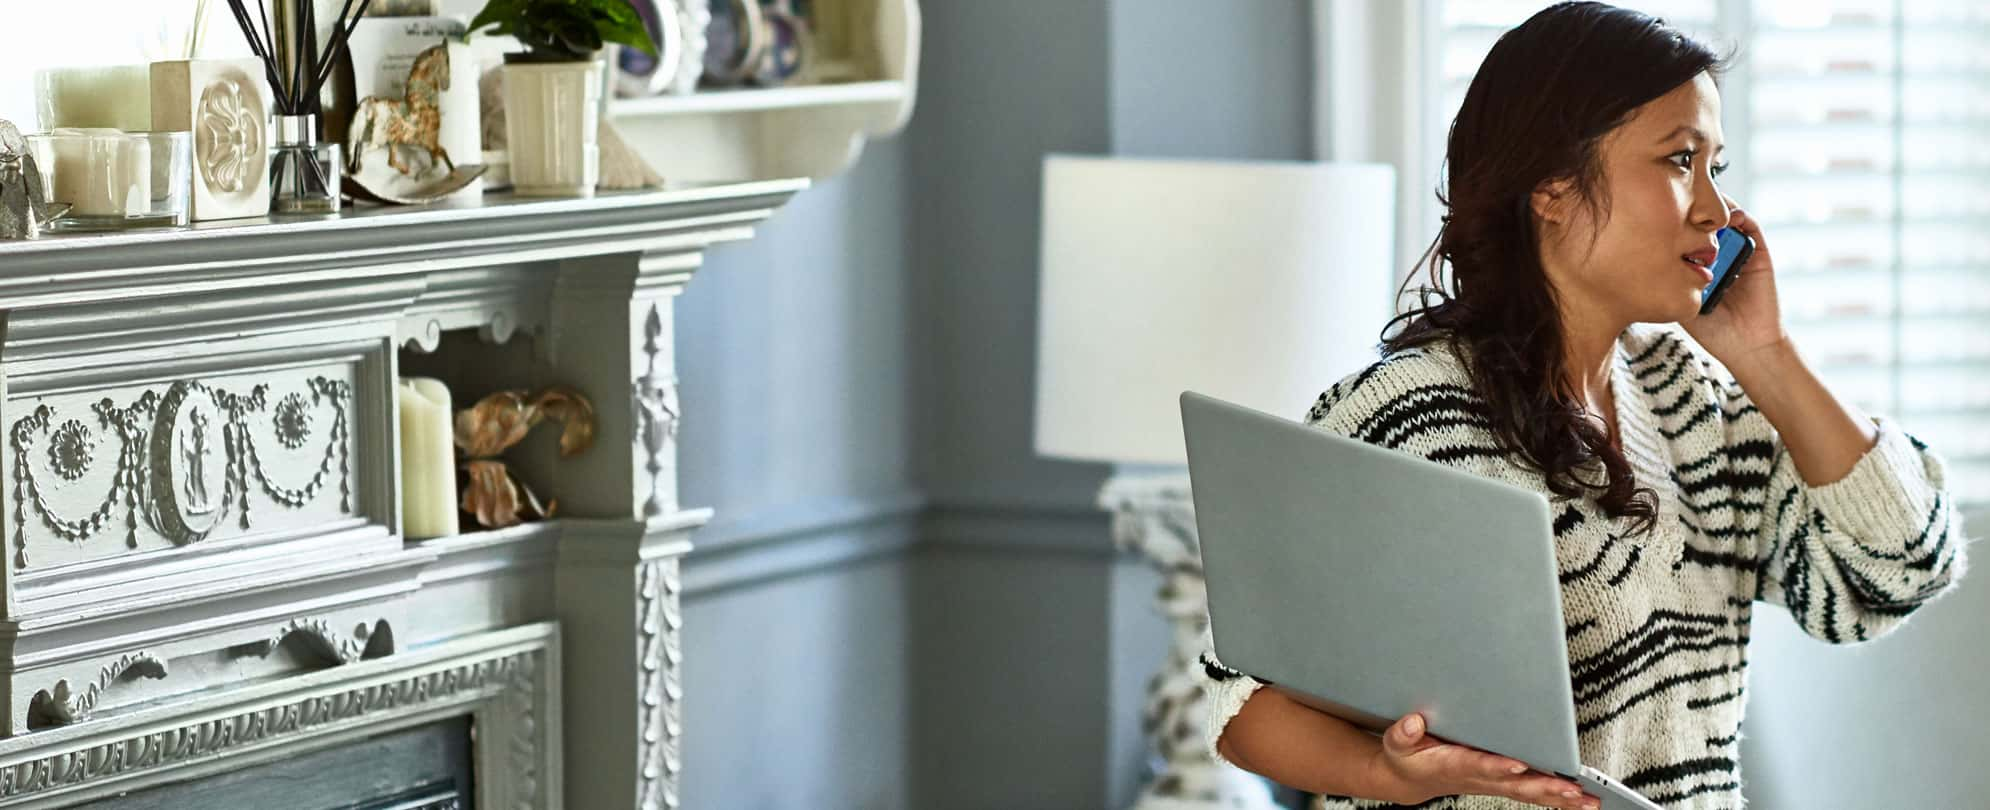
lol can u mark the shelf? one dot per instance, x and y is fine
(811, 131)
(538, 531)
(761, 99)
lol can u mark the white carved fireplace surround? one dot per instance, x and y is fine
(204, 567)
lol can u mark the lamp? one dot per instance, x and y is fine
(1256, 282)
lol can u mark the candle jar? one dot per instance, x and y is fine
(109, 179)
(304, 172)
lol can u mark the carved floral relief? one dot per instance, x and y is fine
(69, 450)
(228, 136)
(186, 460)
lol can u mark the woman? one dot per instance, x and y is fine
(1582, 211)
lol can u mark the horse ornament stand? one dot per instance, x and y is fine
(411, 122)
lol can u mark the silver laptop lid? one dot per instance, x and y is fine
(1379, 583)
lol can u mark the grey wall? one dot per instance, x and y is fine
(1197, 79)
(1011, 690)
(1034, 640)
(795, 385)
(898, 604)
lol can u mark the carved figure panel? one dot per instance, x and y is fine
(104, 473)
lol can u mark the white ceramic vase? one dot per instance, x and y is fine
(552, 120)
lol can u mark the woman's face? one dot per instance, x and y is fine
(1659, 210)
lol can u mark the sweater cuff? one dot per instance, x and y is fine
(1890, 492)
(1226, 699)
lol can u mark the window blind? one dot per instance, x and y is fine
(1859, 134)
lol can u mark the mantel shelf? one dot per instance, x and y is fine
(440, 267)
(61, 268)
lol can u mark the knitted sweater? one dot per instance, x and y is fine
(1657, 626)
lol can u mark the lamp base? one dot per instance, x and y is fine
(1203, 786)
(1154, 515)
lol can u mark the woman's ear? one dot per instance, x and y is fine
(1551, 200)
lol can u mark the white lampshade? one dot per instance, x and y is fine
(1257, 282)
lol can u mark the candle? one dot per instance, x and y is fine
(428, 459)
(116, 96)
(101, 172)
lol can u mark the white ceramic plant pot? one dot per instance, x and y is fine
(552, 117)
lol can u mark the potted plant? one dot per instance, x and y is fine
(552, 90)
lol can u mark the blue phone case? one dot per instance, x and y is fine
(1735, 248)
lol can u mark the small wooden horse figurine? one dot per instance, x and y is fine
(414, 121)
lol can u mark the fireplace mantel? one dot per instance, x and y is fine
(201, 495)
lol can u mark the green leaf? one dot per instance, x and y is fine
(621, 24)
(574, 28)
(502, 13)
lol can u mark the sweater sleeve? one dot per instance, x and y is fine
(1852, 558)
(1228, 690)
(1411, 401)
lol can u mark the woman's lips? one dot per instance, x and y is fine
(1706, 275)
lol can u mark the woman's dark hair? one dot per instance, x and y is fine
(1537, 111)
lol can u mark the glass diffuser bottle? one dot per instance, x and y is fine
(304, 172)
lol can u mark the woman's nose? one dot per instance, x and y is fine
(1711, 211)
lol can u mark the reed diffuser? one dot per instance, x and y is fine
(304, 172)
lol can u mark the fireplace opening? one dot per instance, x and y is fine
(426, 767)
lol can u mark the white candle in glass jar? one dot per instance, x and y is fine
(101, 172)
(428, 459)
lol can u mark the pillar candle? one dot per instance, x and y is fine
(428, 459)
(116, 96)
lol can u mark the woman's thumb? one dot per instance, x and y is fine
(1409, 730)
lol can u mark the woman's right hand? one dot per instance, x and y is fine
(1426, 767)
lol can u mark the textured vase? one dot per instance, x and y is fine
(552, 122)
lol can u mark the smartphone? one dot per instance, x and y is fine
(1735, 248)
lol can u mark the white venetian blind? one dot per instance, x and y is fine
(1858, 132)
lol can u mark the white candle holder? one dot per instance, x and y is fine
(115, 180)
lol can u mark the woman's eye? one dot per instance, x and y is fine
(1684, 160)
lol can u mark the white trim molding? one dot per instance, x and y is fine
(1373, 103)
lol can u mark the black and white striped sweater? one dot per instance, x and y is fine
(1658, 625)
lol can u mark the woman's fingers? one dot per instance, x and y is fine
(1739, 219)
(1453, 768)
(1548, 791)
(1528, 785)
(1499, 767)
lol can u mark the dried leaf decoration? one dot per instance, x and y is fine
(492, 493)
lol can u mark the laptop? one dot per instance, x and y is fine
(1339, 571)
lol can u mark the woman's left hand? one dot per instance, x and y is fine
(1747, 319)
